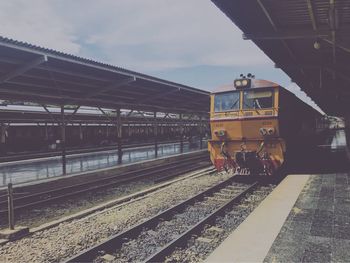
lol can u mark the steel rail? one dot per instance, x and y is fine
(40, 154)
(181, 241)
(33, 200)
(99, 180)
(115, 242)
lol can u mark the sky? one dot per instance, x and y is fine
(186, 41)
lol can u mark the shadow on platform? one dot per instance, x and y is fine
(330, 156)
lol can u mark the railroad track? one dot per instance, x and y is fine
(169, 229)
(158, 173)
(36, 155)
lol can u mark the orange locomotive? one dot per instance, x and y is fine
(253, 124)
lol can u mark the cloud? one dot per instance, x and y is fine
(144, 35)
(161, 34)
(36, 22)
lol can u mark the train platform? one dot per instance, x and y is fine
(18, 172)
(305, 219)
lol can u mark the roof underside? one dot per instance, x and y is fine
(18, 117)
(35, 74)
(287, 32)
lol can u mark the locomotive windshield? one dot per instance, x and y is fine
(257, 99)
(226, 101)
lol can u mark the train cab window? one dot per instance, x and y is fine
(257, 99)
(226, 101)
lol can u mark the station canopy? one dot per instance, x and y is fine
(44, 76)
(32, 115)
(307, 39)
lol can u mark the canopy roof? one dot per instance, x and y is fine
(307, 39)
(45, 76)
(34, 114)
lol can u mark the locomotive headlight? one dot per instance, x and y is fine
(263, 131)
(271, 131)
(220, 133)
(244, 82)
(238, 83)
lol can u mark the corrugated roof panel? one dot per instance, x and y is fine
(294, 29)
(42, 75)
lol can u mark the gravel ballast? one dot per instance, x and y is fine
(47, 212)
(150, 240)
(70, 238)
(199, 248)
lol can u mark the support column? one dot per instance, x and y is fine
(181, 135)
(119, 136)
(46, 132)
(46, 137)
(129, 130)
(63, 141)
(3, 133)
(81, 136)
(3, 138)
(347, 135)
(201, 132)
(155, 133)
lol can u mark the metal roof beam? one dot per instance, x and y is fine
(267, 14)
(76, 84)
(333, 23)
(40, 98)
(50, 113)
(298, 66)
(302, 65)
(338, 45)
(95, 65)
(70, 91)
(55, 70)
(193, 102)
(23, 68)
(314, 66)
(110, 87)
(70, 117)
(301, 34)
(343, 76)
(312, 14)
(106, 115)
(89, 77)
(161, 95)
(291, 54)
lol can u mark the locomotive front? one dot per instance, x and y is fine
(244, 127)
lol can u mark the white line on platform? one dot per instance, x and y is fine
(251, 241)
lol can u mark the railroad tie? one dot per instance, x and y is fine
(217, 198)
(216, 229)
(225, 195)
(228, 191)
(108, 258)
(204, 240)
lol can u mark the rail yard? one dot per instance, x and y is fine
(99, 163)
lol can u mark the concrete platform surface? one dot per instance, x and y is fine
(71, 179)
(251, 241)
(318, 227)
(18, 232)
(313, 226)
(37, 169)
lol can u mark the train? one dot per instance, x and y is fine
(90, 129)
(257, 124)
(32, 137)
